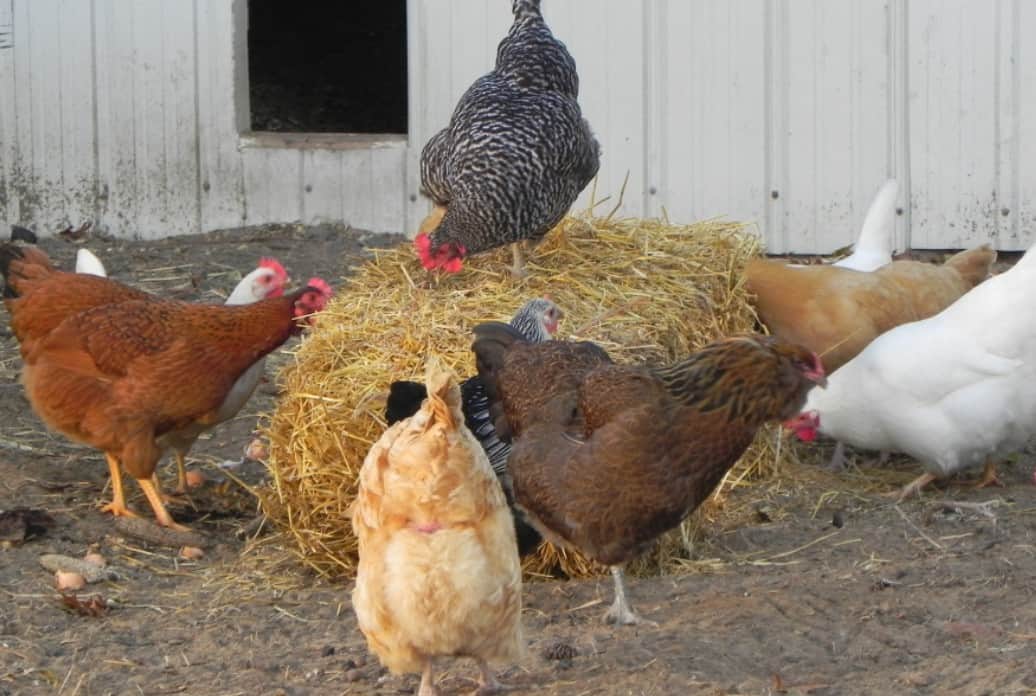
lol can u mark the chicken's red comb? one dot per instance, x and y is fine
(423, 242)
(320, 285)
(274, 265)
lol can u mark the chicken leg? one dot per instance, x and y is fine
(620, 611)
(427, 687)
(487, 683)
(117, 506)
(518, 256)
(988, 477)
(181, 475)
(154, 496)
(914, 486)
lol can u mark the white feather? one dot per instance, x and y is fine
(950, 390)
(873, 248)
(88, 263)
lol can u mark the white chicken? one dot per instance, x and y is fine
(953, 391)
(438, 571)
(873, 248)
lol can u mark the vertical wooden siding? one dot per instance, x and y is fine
(788, 113)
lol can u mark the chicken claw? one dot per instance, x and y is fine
(117, 506)
(488, 684)
(154, 496)
(620, 612)
(988, 477)
(914, 486)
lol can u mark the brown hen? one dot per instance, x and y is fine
(607, 457)
(119, 374)
(838, 311)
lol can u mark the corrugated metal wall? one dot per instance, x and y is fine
(789, 113)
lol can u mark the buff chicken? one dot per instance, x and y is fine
(606, 457)
(537, 320)
(438, 572)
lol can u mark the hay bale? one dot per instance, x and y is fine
(643, 289)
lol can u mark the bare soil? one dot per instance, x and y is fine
(808, 583)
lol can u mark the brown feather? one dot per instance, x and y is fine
(836, 312)
(607, 457)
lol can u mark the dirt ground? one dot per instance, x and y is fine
(826, 588)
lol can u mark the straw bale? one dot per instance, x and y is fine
(645, 290)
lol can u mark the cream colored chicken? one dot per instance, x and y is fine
(438, 573)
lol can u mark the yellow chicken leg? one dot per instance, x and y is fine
(988, 477)
(117, 506)
(154, 496)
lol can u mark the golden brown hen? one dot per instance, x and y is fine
(837, 311)
(119, 375)
(438, 572)
(607, 457)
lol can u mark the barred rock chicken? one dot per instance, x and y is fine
(267, 280)
(607, 457)
(438, 574)
(116, 368)
(536, 321)
(516, 153)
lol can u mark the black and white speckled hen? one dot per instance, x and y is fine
(516, 153)
(536, 321)
(605, 457)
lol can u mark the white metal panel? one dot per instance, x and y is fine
(272, 185)
(116, 122)
(8, 137)
(953, 122)
(38, 63)
(606, 38)
(178, 119)
(220, 33)
(76, 109)
(832, 92)
(1016, 140)
(322, 185)
(706, 148)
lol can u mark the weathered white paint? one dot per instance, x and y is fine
(788, 113)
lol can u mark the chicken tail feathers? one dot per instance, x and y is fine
(492, 341)
(404, 400)
(973, 265)
(17, 262)
(443, 394)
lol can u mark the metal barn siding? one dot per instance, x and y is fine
(786, 113)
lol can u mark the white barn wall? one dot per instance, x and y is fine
(786, 113)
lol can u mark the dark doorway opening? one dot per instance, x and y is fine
(334, 67)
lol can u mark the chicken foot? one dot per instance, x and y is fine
(620, 611)
(117, 506)
(988, 477)
(914, 486)
(154, 496)
(181, 475)
(427, 687)
(487, 683)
